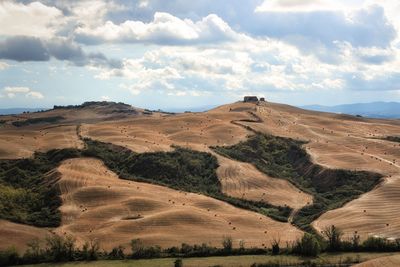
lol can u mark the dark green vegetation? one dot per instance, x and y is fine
(64, 248)
(27, 191)
(284, 158)
(27, 122)
(181, 169)
(392, 138)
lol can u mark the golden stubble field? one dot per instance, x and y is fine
(98, 205)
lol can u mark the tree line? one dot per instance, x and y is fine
(64, 248)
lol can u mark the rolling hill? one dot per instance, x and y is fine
(103, 197)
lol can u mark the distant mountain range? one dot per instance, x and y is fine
(8, 111)
(388, 110)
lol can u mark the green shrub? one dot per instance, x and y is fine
(333, 235)
(60, 248)
(34, 254)
(27, 122)
(90, 251)
(374, 243)
(285, 158)
(392, 138)
(181, 169)
(227, 244)
(116, 253)
(9, 256)
(27, 192)
(275, 246)
(308, 245)
(139, 251)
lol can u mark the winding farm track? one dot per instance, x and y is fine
(91, 209)
(338, 141)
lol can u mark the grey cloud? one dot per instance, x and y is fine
(368, 27)
(312, 32)
(64, 50)
(23, 48)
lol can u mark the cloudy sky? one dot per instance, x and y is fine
(181, 53)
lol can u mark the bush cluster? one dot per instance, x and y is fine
(64, 249)
(181, 169)
(27, 191)
(393, 138)
(29, 194)
(27, 122)
(285, 158)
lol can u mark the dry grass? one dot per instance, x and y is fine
(95, 200)
(96, 205)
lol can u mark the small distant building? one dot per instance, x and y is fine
(262, 99)
(250, 99)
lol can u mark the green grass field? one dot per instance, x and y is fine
(232, 261)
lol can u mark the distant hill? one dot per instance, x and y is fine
(373, 110)
(191, 109)
(8, 111)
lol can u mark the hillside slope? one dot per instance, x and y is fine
(93, 210)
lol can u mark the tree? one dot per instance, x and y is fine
(34, 254)
(308, 245)
(355, 241)
(275, 246)
(334, 235)
(117, 253)
(227, 243)
(139, 251)
(137, 248)
(241, 245)
(60, 248)
(9, 256)
(90, 250)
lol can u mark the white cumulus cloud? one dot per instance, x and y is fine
(12, 91)
(33, 19)
(163, 29)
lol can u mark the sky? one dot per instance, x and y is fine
(164, 54)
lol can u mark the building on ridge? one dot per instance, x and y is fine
(250, 99)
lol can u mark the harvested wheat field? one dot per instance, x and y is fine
(243, 180)
(22, 142)
(348, 142)
(18, 235)
(387, 261)
(98, 205)
(158, 132)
